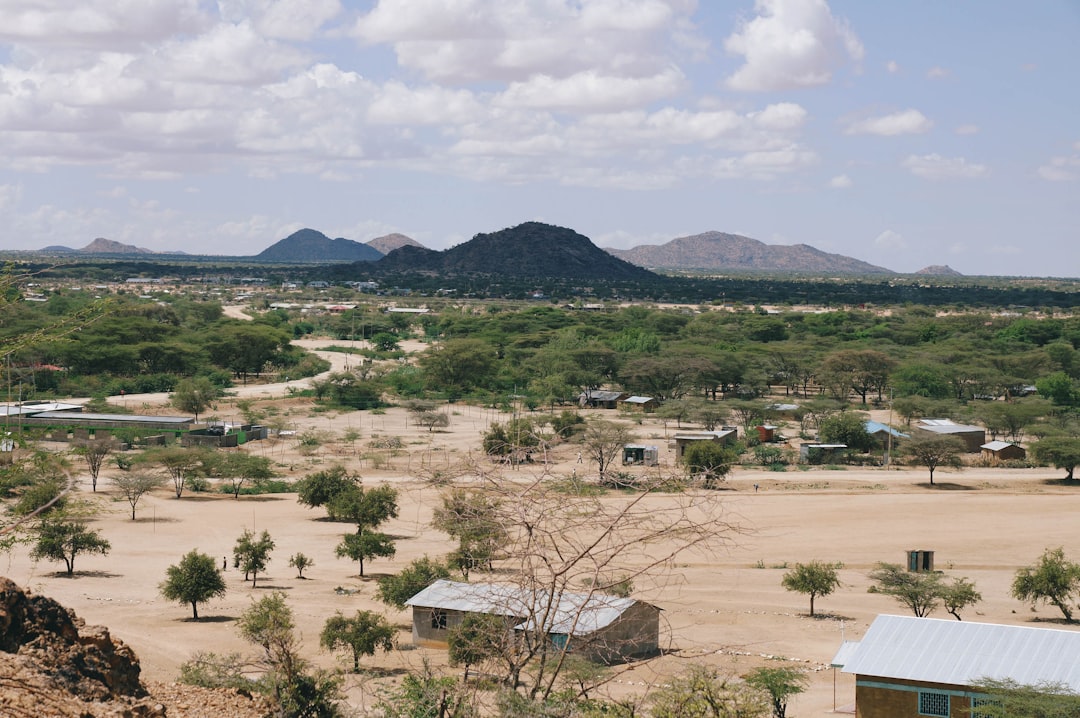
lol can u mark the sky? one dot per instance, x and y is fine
(904, 134)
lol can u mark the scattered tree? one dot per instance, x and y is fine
(180, 463)
(470, 517)
(94, 451)
(1054, 579)
(361, 634)
(237, 468)
(322, 487)
(361, 547)
(958, 595)
(710, 460)
(479, 637)
(134, 485)
(62, 538)
(397, 589)
(195, 395)
(701, 692)
(300, 562)
(934, 451)
(603, 442)
(848, 428)
(919, 592)
(816, 578)
(780, 684)
(196, 579)
(251, 554)
(1061, 452)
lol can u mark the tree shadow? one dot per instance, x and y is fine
(945, 486)
(207, 619)
(819, 616)
(84, 574)
(1069, 483)
(380, 672)
(1057, 621)
(271, 587)
(156, 519)
(260, 497)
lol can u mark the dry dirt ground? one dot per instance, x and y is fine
(727, 609)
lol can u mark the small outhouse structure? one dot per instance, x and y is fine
(640, 455)
(597, 627)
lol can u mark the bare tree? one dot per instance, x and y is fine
(604, 442)
(580, 548)
(133, 485)
(94, 452)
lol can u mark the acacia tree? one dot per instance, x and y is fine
(368, 509)
(94, 451)
(923, 592)
(134, 485)
(361, 634)
(180, 463)
(397, 589)
(196, 579)
(478, 638)
(469, 517)
(710, 460)
(933, 451)
(816, 578)
(60, 538)
(194, 395)
(603, 442)
(237, 468)
(1054, 579)
(1060, 451)
(252, 554)
(780, 684)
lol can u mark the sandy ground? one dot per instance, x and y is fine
(728, 609)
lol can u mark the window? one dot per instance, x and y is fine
(978, 702)
(933, 704)
(438, 619)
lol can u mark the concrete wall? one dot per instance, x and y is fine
(890, 698)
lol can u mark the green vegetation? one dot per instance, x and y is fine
(922, 592)
(1054, 580)
(816, 578)
(196, 579)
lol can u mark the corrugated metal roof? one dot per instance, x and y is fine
(576, 614)
(996, 445)
(873, 427)
(73, 418)
(704, 435)
(847, 649)
(962, 652)
(637, 399)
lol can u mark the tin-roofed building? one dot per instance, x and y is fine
(998, 451)
(972, 436)
(598, 627)
(907, 667)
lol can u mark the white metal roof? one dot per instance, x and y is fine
(704, 435)
(637, 399)
(575, 614)
(946, 426)
(962, 652)
(996, 445)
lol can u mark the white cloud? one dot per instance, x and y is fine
(936, 167)
(840, 182)
(102, 24)
(591, 90)
(790, 44)
(10, 196)
(1061, 169)
(283, 19)
(892, 66)
(907, 122)
(968, 129)
(937, 73)
(891, 241)
(477, 40)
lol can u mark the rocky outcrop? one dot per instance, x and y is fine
(52, 664)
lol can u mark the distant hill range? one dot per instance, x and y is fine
(309, 245)
(532, 249)
(721, 251)
(939, 270)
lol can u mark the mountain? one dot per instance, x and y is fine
(309, 245)
(389, 242)
(532, 249)
(718, 250)
(57, 249)
(939, 270)
(108, 246)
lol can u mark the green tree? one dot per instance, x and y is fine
(478, 638)
(362, 634)
(133, 485)
(246, 348)
(848, 428)
(194, 395)
(919, 592)
(367, 508)
(1054, 579)
(59, 538)
(469, 515)
(816, 578)
(701, 692)
(300, 562)
(268, 623)
(252, 554)
(1007, 698)
(958, 595)
(458, 365)
(196, 579)
(94, 451)
(933, 451)
(1058, 388)
(238, 468)
(180, 463)
(322, 487)
(395, 590)
(365, 546)
(710, 460)
(780, 684)
(385, 342)
(1062, 452)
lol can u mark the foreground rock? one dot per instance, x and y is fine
(52, 664)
